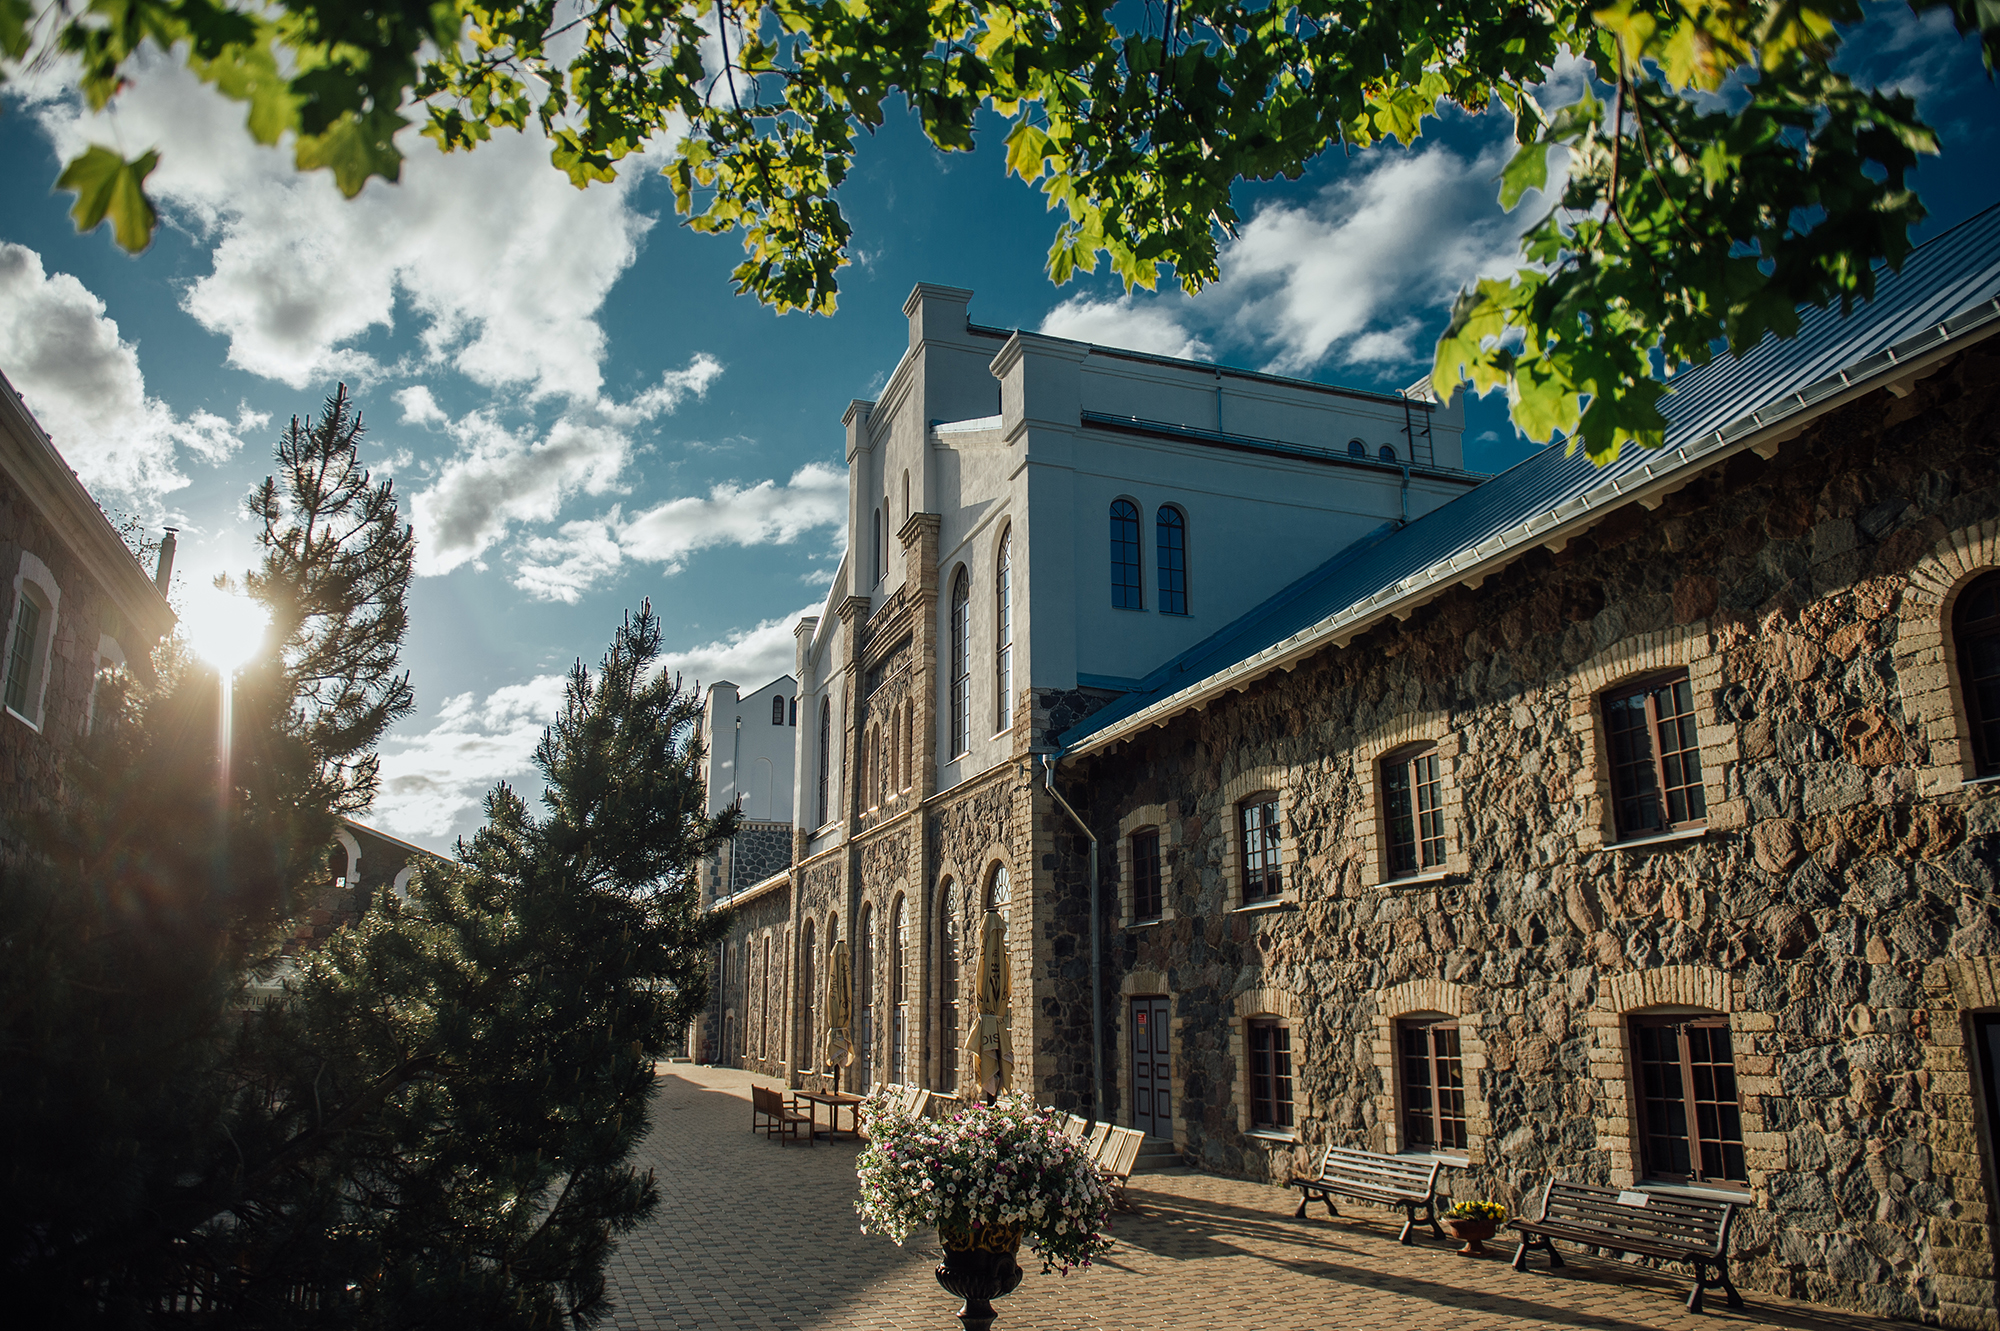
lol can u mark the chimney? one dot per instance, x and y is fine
(163, 573)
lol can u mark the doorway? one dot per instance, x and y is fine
(1152, 1099)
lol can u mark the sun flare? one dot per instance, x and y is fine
(224, 628)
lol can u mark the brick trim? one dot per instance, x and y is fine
(1752, 1036)
(1425, 728)
(1687, 647)
(1926, 659)
(1143, 984)
(1266, 1002)
(1453, 1000)
(1162, 817)
(1274, 777)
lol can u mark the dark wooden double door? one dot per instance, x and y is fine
(1152, 1099)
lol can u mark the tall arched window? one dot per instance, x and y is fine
(777, 711)
(875, 549)
(825, 753)
(899, 1014)
(909, 741)
(1003, 636)
(888, 528)
(961, 663)
(998, 890)
(950, 943)
(1975, 629)
(764, 1005)
(1125, 589)
(809, 1057)
(864, 940)
(1170, 539)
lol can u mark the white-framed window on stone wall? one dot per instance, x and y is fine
(1265, 1045)
(1148, 845)
(30, 639)
(1413, 817)
(1260, 848)
(1653, 755)
(951, 948)
(1975, 631)
(1689, 1119)
(961, 663)
(1430, 1083)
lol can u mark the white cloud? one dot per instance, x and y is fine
(502, 476)
(419, 407)
(503, 262)
(1131, 322)
(82, 381)
(564, 566)
(434, 779)
(750, 657)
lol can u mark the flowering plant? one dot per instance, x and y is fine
(1493, 1211)
(1001, 1165)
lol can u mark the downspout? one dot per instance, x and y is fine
(1406, 493)
(1096, 945)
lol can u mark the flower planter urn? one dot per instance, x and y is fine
(979, 1267)
(1473, 1231)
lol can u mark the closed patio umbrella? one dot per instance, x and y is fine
(991, 1039)
(839, 1011)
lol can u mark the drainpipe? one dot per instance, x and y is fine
(163, 571)
(1406, 494)
(1096, 945)
(1218, 401)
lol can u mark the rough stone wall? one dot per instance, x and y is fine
(820, 895)
(1840, 906)
(758, 850)
(747, 1013)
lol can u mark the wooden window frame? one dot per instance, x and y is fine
(1643, 1130)
(1419, 853)
(1444, 1074)
(1269, 1087)
(1982, 720)
(1147, 888)
(1658, 764)
(1262, 873)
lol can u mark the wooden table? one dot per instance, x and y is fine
(834, 1101)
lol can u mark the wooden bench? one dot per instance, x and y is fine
(932, 1104)
(1115, 1160)
(1367, 1176)
(772, 1116)
(1647, 1224)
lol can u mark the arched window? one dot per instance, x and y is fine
(899, 1023)
(906, 496)
(951, 943)
(864, 939)
(1387, 453)
(888, 531)
(1170, 538)
(1125, 587)
(792, 712)
(809, 1057)
(875, 549)
(777, 711)
(998, 890)
(909, 743)
(1003, 622)
(29, 639)
(1975, 629)
(1357, 449)
(825, 753)
(764, 1006)
(961, 663)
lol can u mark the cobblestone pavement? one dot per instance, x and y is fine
(753, 1234)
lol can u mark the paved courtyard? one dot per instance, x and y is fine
(752, 1234)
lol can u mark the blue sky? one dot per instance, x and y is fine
(580, 414)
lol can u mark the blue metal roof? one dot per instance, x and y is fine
(1946, 286)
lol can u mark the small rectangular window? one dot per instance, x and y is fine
(1413, 808)
(1270, 1074)
(1655, 757)
(1433, 1085)
(1146, 874)
(1263, 872)
(1690, 1119)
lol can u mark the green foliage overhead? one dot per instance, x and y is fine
(1730, 175)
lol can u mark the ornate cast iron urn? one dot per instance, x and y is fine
(979, 1267)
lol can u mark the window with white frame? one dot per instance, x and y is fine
(30, 636)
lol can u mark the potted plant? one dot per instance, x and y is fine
(1473, 1223)
(988, 1178)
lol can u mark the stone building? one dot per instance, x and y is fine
(77, 603)
(1632, 825)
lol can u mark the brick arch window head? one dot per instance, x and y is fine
(1655, 756)
(1170, 541)
(1975, 632)
(1126, 590)
(1690, 1118)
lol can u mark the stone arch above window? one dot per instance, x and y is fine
(1433, 999)
(1929, 672)
(1686, 647)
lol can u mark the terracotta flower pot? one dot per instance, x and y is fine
(979, 1267)
(1472, 1231)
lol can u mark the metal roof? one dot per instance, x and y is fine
(1948, 289)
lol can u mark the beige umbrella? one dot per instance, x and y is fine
(839, 1011)
(991, 1038)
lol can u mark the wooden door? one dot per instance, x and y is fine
(1152, 1100)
